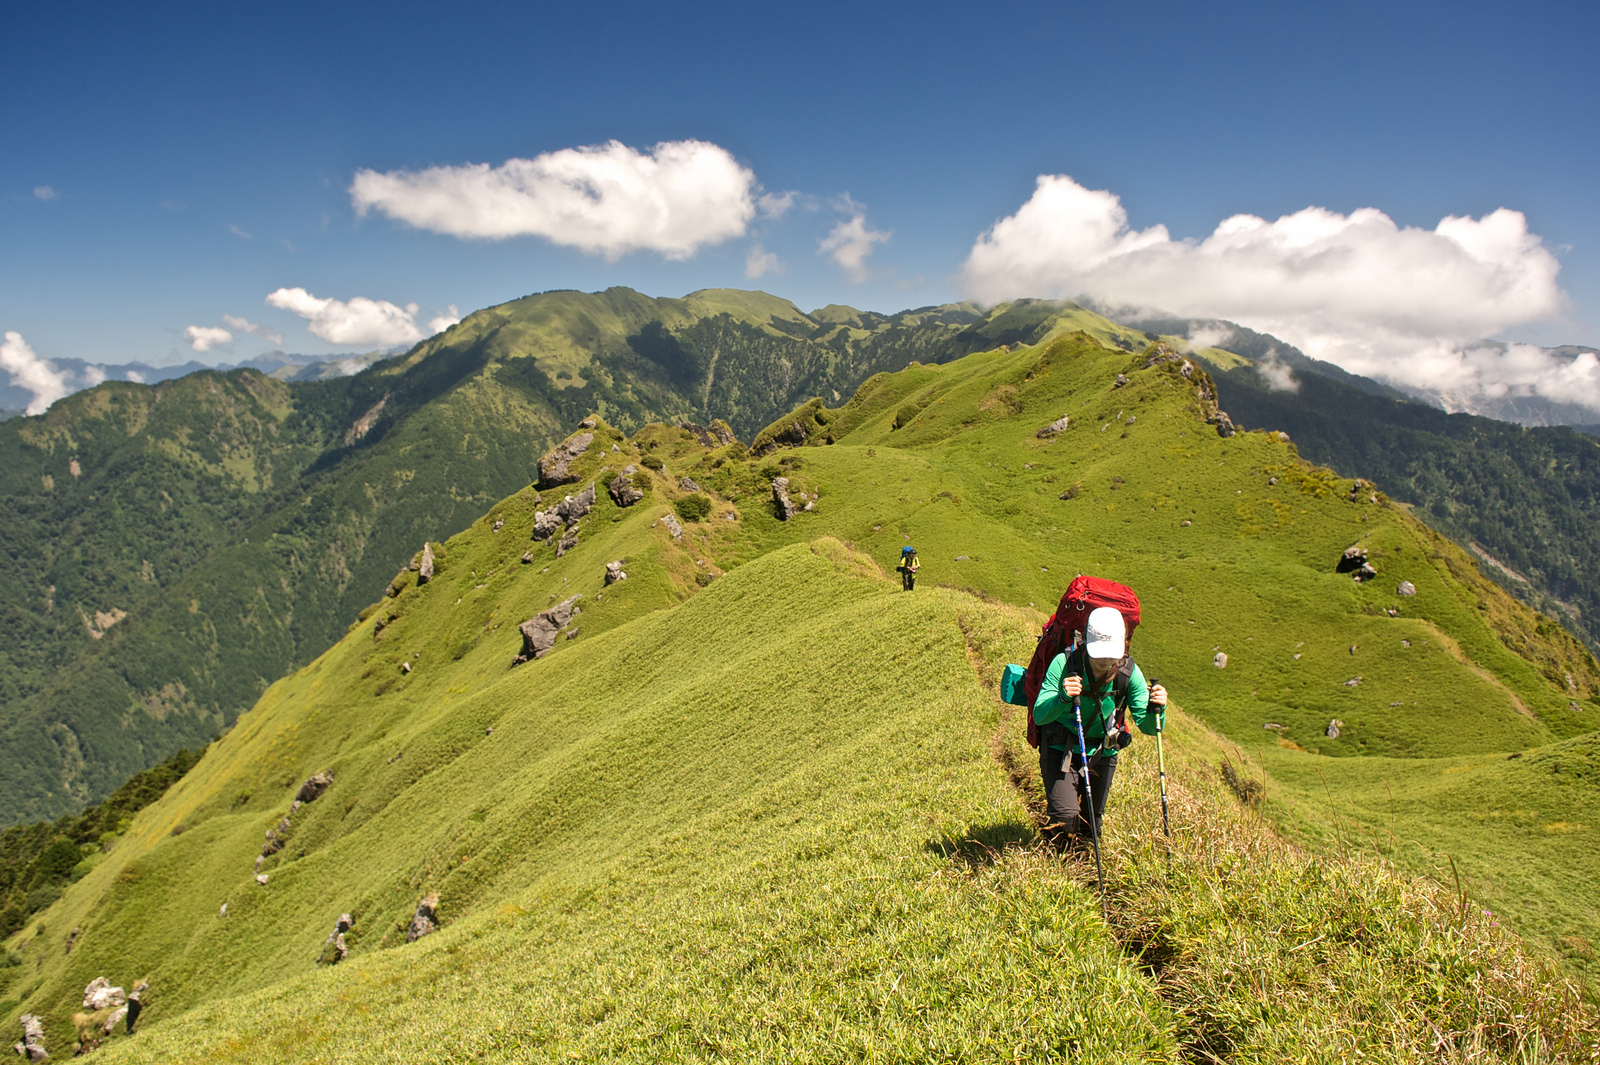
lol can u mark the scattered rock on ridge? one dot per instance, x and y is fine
(1365, 573)
(546, 523)
(1354, 557)
(1223, 423)
(1406, 588)
(1121, 380)
(334, 948)
(780, 498)
(673, 525)
(715, 435)
(426, 920)
(1353, 682)
(99, 995)
(614, 573)
(1334, 726)
(1363, 491)
(315, 785)
(623, 491)
(1220, 660)
(539, 632)
(425, 567)
(1057, 426)
(556, 465)
(32, 1046)
(688, 484)
(569, 540)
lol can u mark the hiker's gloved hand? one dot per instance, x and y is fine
(1158, 696)
(1072, 686)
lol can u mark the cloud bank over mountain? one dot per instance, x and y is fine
(359, 321)
(35, 375)
(606, 199)
(1403, 304)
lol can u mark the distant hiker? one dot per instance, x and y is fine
(1111, 688)
(908, 567)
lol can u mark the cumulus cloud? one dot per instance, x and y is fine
(1400, 303)
(206, 337)
(245, 325)
(358, 321)
(441, 322)
(32, 373)
(45, 192)
(850, 242)
(606, 199)
(758, 262)
(135, 376)
(775, 204)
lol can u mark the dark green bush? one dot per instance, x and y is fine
(693, 507)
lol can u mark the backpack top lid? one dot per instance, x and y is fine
(907, 550)
(1086, 594)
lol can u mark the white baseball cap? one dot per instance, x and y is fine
(1105, 635)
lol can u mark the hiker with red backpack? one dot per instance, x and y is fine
(1082, 688)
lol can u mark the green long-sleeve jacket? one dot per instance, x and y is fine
(1097, 702)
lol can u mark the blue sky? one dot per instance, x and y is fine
(167, 165)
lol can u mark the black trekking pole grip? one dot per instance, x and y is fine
(1161, 765)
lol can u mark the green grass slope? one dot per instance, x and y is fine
(761, 804)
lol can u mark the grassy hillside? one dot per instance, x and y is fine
(760, 803)
(1530, 498)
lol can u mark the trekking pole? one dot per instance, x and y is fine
(1094, 822)
(1161, 766)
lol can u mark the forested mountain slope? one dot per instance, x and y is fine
(755, 801)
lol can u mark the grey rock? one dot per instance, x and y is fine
(792, 435)
(261, 878)
(32, 1046)
(99, 995)
(555, 467)
(1185, 523)
(784, 507)
(714, 435)
(546, 523)
(1353, 682)
(673, 525)
(334, 948)
(591, 422)
(426, 920)
(315, 785)
(1121, 380)
(622, 488)
(1220, 660)
(1187, 369)
(1334, 726)
(425, 567)
(1272, 481)
(1354, 557)
(614, 573)
(1363, 491)
(688, 484)
(539, 632)
(1406, 588)
(571, 508)
(1058, 426)
(498, 523)
(1365, 573)
(1224, 424)
(568, 541)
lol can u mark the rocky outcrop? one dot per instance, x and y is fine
(136, 1004)
(426, 920)
(539, 632)
(1365, 573)
(614, 573)
(32, 1046)
(425, 566)
(792, 435)
(624, 492)
(688, 484)
(546, 523)
(1058, 426)
(314, 786)
(673, 525)
(1406, 588)
(1224, 424)
(1121, 380)
(555, 467)
(1354, 557)
(568, 541)
(276, 837)
(781, 502)
(334, 948)
(717, 434)
(1363, 491)
(100, 995)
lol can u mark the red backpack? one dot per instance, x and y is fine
(1065, 628)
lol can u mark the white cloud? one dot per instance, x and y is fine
(1277, 374)
(244, 325)
(91, 376)
(135, 376)
(851, 241)
(359, 321)
(1403, 304)
(32, 373)
(776, 205)
(758, 262)
(1207, 336)
(605, 199)
(206, 337)
(45, 192)
(441, 322)
(236, 231)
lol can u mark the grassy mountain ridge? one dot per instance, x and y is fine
(829, 818)
(222, 529)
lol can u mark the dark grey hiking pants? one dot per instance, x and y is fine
(1063, 791)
